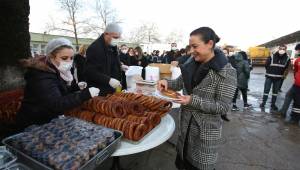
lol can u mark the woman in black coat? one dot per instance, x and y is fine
(79, 62)
(140, 59)
(49, 90)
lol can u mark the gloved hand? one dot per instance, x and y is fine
(124, 67)
(82, 85)
(114, 83)
(94, 91)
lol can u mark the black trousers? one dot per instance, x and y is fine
(244, 94)
(296, 106)
(183, 164)
(275, 83)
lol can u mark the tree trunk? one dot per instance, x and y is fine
(14, 41)
(14, 45)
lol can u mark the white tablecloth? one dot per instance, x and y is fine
(157, 136)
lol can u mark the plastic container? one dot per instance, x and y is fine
(18, 166)
(6, 158)
(163, 68)
(145, 87)
(152, 73)
(93, 163)
(133, 73)
(176, 72)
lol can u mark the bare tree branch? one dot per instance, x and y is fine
(105, 14)
(174, 36)
(146, 33)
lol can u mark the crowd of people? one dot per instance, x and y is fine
(211, 80)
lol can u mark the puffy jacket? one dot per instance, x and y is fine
(46, 94)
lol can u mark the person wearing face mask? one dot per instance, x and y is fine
(291, 92)
(124, 59)
(295, 115)
(231, 58)
(49, 90)
(174, 47)
(103, 67)
(276, 65)
(208, 82)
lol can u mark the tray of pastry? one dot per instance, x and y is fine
(133, 114)
(64, 143)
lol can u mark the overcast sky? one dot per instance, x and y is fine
(238, 22)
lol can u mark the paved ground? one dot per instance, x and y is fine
(255, 140)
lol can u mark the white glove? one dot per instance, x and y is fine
(94, 91)
(114, 83)
(82, 85)
(124, 67)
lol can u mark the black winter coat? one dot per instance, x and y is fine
(276, 65)
(46, 94)
(124, 58)
(102, 64)
(79, 62)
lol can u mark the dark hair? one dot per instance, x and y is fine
(123, 45)
(139, 50)
(206, 34)
(297, 47)
(244, 54)
(129, 49)
(182, 50)
(283, 45)
(187, 48)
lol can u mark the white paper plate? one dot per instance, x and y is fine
(160, 95)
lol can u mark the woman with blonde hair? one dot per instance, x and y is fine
(79, 62)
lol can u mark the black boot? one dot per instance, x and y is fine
(265, 98)
(273, 105)
(225, 118)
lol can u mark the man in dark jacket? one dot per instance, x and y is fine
(276, 65)
(103, 67)
(125, 62)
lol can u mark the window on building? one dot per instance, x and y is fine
(43, 49)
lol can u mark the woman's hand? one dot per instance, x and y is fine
(184, 100)
(82, 85)
(162, 85)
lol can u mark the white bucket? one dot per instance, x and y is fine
(176, 72)
(132, 74)
(152, 73)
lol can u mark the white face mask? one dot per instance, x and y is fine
(281, 52)
(65, 66)
(114, 42)
(173, 48)
(231, 54)
(124, 51)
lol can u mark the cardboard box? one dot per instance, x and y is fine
(163, 68)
